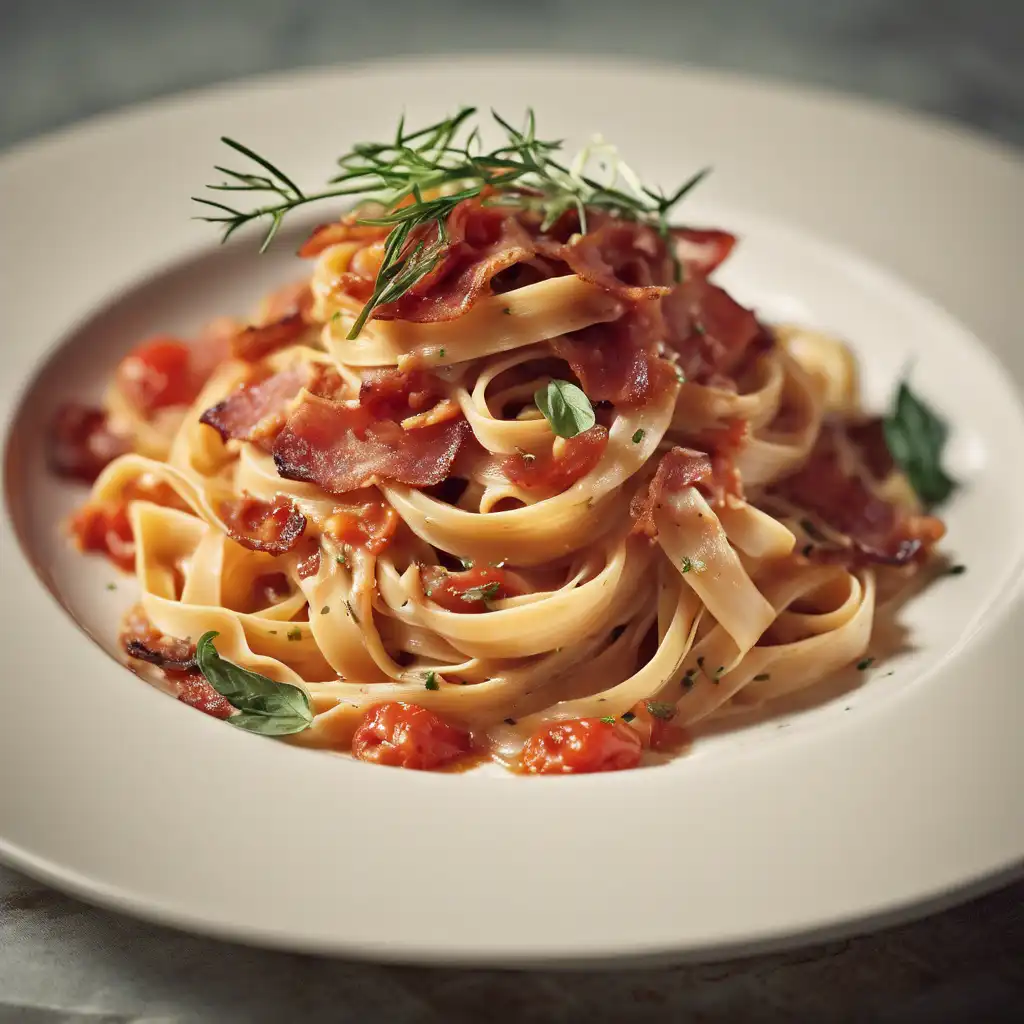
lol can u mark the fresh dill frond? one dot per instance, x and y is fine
(416, 179)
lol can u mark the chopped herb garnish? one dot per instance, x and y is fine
(566, 408)
(482, 592)
(431, 682)
(660, 709)
(467, 563)
(916, 437)
(680, 375)
(956, 570)
(326, 608)
(272, 632)
(699, 328)
(420, 176)
(608, 719)
(691, 565)
(111, 586)
(506, 310)
(628, 716)
(440, 354)
(638, 437)
(762, 677)
(340, 559)
(295, 633)
(351, 611)
(719, 672)
(700, 663)
(865, 663)
(687, 680)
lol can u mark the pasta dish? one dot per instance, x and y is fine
(505, 475)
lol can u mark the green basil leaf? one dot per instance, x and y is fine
(265, 705)
(565, 407)
(915, 437)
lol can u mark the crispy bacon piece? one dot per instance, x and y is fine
(483, 241)
(340, 447)
(702, 250)
(345, 230)
(395, 394)
(143, 641)
(274, 527)
(255, 342)
(554, 474)
(623, 257)
(105, 527)
(369, 524)
(615, 361)
(471, 591)
(81, 444)
(176, 657)
(724, 445)
(679, 468)
(880, 531)
(256, 411)
(712, 333)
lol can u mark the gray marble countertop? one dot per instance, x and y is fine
(61, 60)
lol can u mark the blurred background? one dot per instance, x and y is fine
(61, 60)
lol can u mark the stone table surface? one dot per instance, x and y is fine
(61, 60)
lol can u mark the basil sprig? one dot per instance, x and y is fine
(915, 437)
(265, 706)
(565, 407)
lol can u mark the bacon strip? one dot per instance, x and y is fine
(263, 526)
(256, 342)
(340, 447)
(615, 361)
(255, 412)
(623, 257)
(143, 641)
(679, 468)
(879, 531)
(712, 333)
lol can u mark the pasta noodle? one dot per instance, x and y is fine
(394, 518)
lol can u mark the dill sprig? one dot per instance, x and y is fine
(418, 178)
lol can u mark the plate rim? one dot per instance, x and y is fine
(34, 149)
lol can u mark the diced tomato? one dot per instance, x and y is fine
(105, 528)
(157, 374)
(581, 745)
(548, 472)
(470, 591)
(81, 444)
(368, 524)
(196, 691)
(408, 736)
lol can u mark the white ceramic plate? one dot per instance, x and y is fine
(900, 791)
